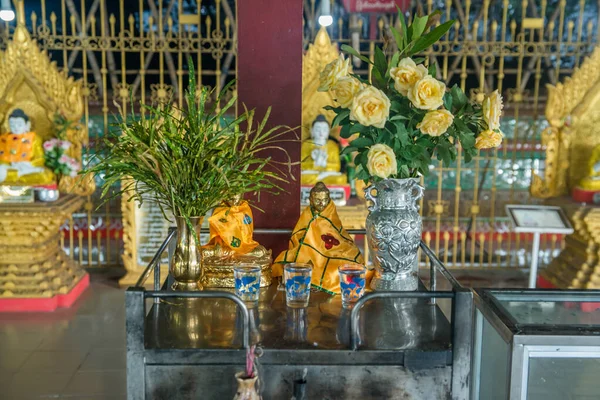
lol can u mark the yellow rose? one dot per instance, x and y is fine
(436, 123)
(332, 73)
(492, 110)
(381, 161)
(406, 74)
(427, 93)
(488, 139)
(370, 107)
(345, 89)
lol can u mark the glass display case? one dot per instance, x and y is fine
(536, 344)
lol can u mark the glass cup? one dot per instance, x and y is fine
(247, 282)
(352, 283)
(297, 284)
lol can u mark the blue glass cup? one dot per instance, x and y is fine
(297, 284)
(247, 282)
(352, 283)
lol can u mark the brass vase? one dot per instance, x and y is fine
(186, 263)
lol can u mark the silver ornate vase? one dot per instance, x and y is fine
(394, 232)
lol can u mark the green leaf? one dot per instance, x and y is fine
(394, 61)
(398, 38)
(355, 53)
(443, 152)
(345, 132)
(419, 60)
(361, 142)
(418, 26)
(362, 173)
(361, 158)
(460, 126)
(404, 171)
(401, 107)
(427, 40)
(378, 79)
(467, 139)
(358, 128)
(380, 62)
(348, 150)
(405, 35)
(402, 133)
(344, 113)
(459, 99)
(397, 146)
(448, 101)
(432, 70)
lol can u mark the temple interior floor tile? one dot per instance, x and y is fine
(79, 353)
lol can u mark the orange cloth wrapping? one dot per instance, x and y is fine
(15, 148)
(232, 228)
(24, 147)
(322, 240)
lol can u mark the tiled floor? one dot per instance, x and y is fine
(79, 353)
(76, 353)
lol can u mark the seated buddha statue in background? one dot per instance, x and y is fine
(592, 181)
(231, 242)
(319, 238)
(22, 160)
(321, 156)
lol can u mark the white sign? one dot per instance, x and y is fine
(542, 219)
(538, 220)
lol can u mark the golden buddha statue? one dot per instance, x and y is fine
(321, 156)
(22, 160)
(319, 238)
(231, 242)
(592, 181)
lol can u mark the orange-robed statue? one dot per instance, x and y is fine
(22, 161)
(319, 238)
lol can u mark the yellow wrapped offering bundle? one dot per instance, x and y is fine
(232, 226)
(319, 238)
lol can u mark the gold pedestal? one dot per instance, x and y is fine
(220, 275)
(32, 263)
(578, 264)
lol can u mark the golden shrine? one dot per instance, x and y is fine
(571, 141)
(33, 265)
(320, 155)
(318, 55)
(573, 133)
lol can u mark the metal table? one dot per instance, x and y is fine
(392, 345)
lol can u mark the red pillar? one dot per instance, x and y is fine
(270, 74)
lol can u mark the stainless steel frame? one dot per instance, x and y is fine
(528, 341)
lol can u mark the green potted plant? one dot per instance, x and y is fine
(188, 160)
(401, 120)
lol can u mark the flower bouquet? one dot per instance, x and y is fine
(57, 160)
(401, 120)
